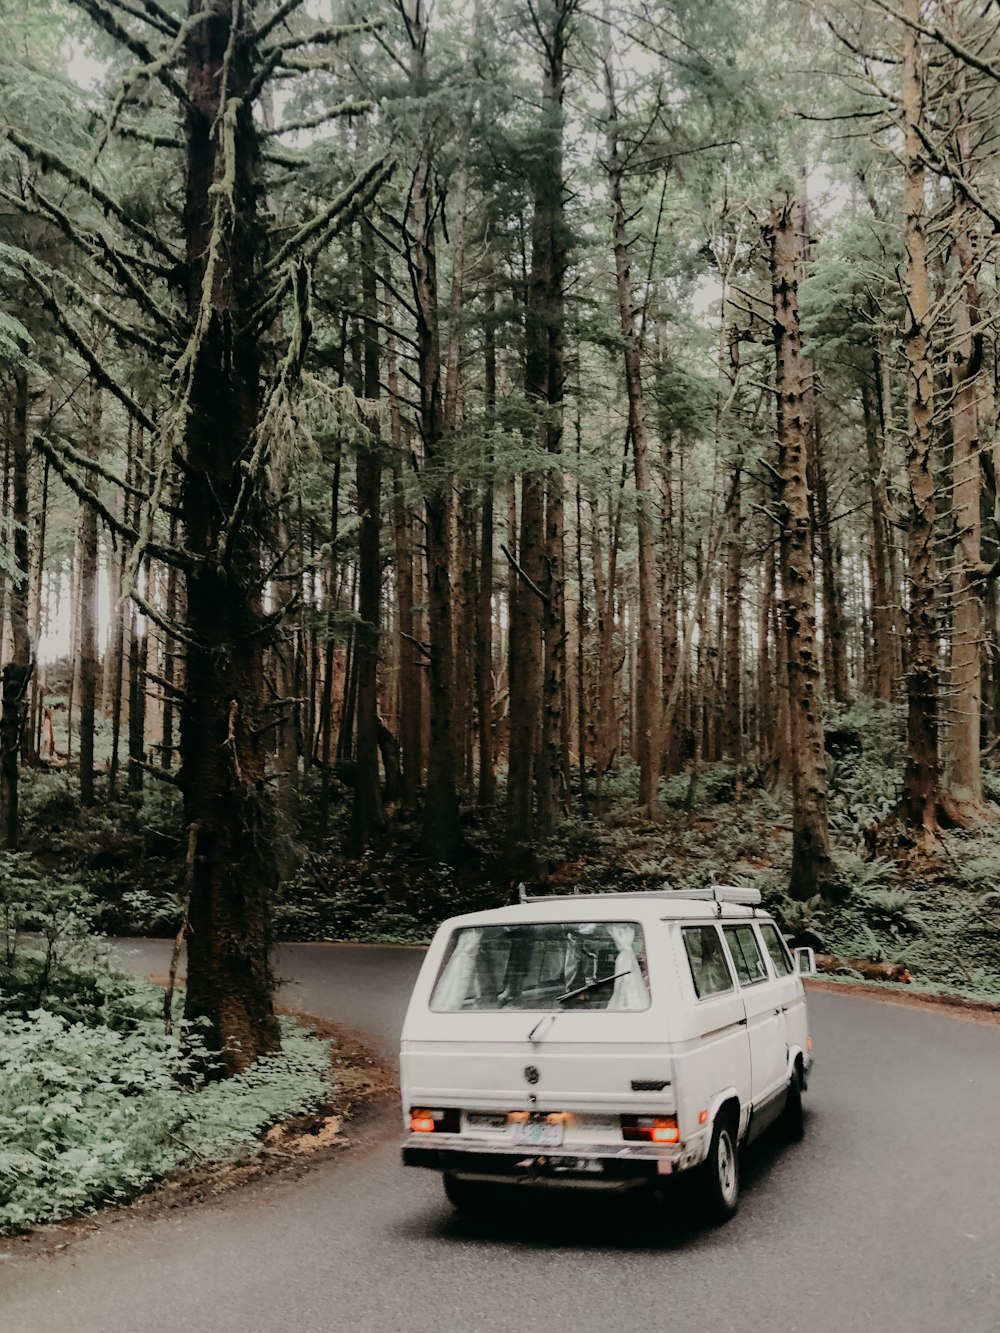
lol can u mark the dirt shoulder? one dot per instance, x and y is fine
(956, 1006)
(356, 1117)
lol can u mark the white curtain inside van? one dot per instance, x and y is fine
(452, 990)
(630, 988)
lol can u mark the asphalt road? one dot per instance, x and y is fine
(886, 1217)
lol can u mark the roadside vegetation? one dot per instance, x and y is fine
(97, 1100)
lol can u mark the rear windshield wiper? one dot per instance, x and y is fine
(591, 985)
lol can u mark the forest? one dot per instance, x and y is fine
(448, 446)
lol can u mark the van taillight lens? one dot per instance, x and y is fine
(424, 1121)
(650, 1129)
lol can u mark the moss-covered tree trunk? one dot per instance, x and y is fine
(226, 806)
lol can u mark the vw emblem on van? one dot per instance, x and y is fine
(530, 1074)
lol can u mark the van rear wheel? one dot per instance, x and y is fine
(468, 1197)
(792, 1121)
(721, 1172)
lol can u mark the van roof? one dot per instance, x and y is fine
(666, 905)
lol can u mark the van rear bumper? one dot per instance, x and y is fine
(599, 1162)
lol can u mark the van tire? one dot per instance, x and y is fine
(468, 1197)
(721, 1172)
(792, 1122)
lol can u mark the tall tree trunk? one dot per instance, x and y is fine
(525, 663)
(441, 829)
(16, 672)
(227, 807)
(484, 597)
(810, 832)
(88, 608)
(368, 821)
(834, 630)
(648, 681)
(964, 771)
(330, 653)
(834, 638)
(171, 691)
(921, 781)
(544, 386)
(732, 724)
(410, 664)
(883, 681)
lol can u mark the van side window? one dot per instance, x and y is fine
(707, 960)
(775, 947)
(747, 957)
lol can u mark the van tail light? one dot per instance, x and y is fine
(424, 1121)
(650, 1129)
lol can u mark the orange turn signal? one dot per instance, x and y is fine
(809, 1043)
(666, 1134)
(702, 1117)
(435, 1120)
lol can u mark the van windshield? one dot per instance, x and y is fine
(569, 965)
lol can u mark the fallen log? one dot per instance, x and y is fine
(866, 967)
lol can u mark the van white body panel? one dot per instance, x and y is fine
(484, 1073)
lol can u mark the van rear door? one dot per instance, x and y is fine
(714, 1051)
(764, 1014)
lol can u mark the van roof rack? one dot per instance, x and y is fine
(717, 893)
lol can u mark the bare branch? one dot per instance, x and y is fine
(104, 18)
(76, 340)
(280, 14)
(522, 575)
(937, 34)
(154, 771)
(146, 11)
(167, 555)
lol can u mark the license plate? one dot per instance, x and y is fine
(538, 1134)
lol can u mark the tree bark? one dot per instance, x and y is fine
(88, 608)
(16, 672)
(227, 807)
(411, 666)
(883, 677)
(441, 832)
(964, 777)
(369, 826)
(484, 592)
(921, 782)
(810, 833)
(648, 680)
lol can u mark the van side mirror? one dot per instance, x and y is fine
(805, 962)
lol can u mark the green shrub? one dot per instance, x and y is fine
(90, 1114)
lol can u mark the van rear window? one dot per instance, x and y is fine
(554, 966)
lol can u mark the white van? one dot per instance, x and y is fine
(606, 1038)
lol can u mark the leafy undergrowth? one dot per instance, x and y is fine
(96, 1102)
(118, 867)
